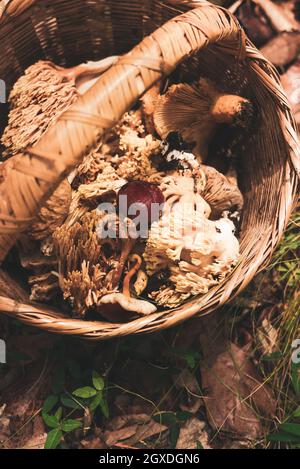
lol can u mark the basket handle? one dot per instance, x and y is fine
(10, 8)
(30, 178)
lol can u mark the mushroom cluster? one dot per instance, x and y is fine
(195, 252)
(174, 238)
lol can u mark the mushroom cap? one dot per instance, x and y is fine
(194, 111)
(220, 192)
(185, 109)
(128, 303)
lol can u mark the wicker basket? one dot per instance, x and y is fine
(207, 38)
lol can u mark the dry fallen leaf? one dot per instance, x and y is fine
(188, 382)
(113, 437)
(4, 425)
(234, 389)
(282, 49)
(267, 337)
(38, 438)
(93, 443)
(191, 433)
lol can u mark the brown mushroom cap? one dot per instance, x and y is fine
(220, 192)
(195, 110)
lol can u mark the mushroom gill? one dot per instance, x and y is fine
(194, 111)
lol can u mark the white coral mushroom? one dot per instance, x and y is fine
(198, 252)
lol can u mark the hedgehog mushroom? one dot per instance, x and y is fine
(194, 111)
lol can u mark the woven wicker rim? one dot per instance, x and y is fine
(32, 177)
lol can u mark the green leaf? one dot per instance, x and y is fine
(174, 435)
(104, 407)
(296, 378)
(297, 413)
(283, 437)
(96, 401)
(50, 420)
(49, 403)
(69, 402)
(98, 381)
(183, 416)
(190, 360)
(292, 428)
(70, 425)
(165, 418)
(58, 413)
(199, 445)
(53, 439)
(275, 356)
(85, 392)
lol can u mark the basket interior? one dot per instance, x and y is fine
(69, 32)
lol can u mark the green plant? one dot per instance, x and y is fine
(286, 375)
(95, 394)
(65, 404)
(59, 425)
(172, 420)
(190, 357)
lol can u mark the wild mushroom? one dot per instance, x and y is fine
(141, 282)
(41, 95)
(137, 149)
(53, 213)
(221, 192)
(197, 252)
(116, 304)
(85, 260)
(182, 188)
(42, 279)
(91, 264)
(144, 196)
(139, 195)
(194, 111)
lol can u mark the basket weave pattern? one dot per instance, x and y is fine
(206, 38)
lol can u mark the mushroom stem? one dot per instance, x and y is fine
(84, 75)
(131, 273)
(127, 247)
(226, 108)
